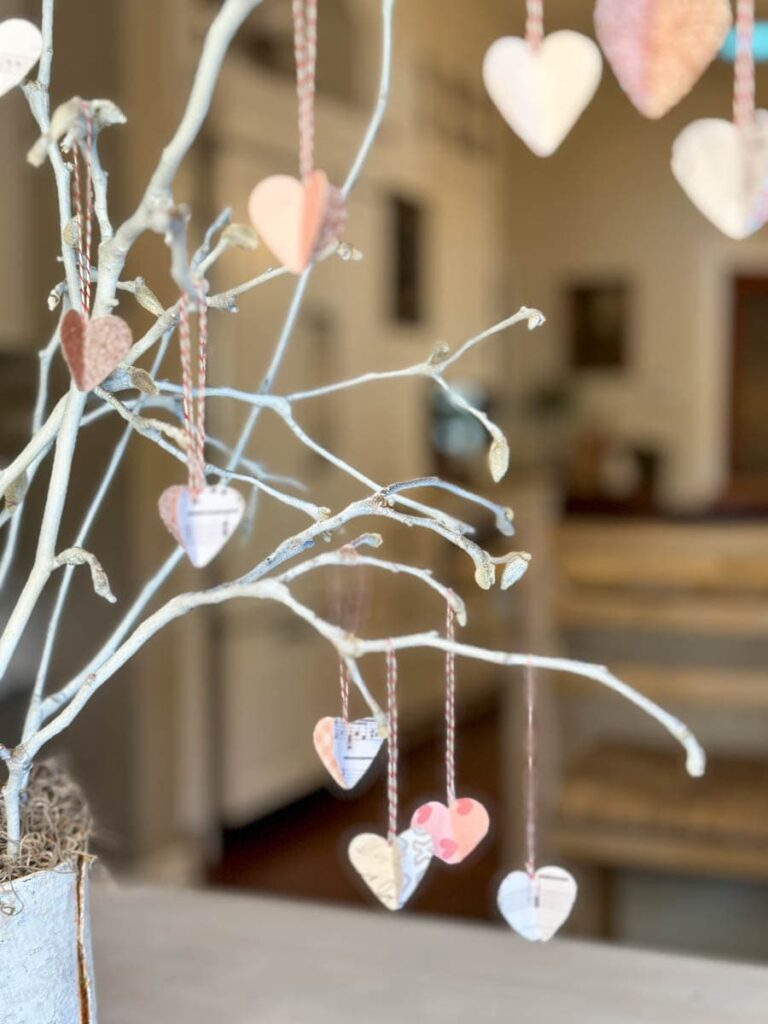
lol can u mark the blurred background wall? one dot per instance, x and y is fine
(638, 475)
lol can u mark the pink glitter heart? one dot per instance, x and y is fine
(93, 348)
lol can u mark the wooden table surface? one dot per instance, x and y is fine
(181, 957)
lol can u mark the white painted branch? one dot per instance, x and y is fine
(49, 528)
(353, 647)
(157, 198)
(349, 557)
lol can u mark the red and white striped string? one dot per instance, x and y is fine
(450, 705)
(392, 743)
(530, 771)
(344, 689)
(194, 415)
(534, 23)
(744, 66)
(305, 44)
(83, 204)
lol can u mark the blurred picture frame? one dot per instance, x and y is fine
(598, 313)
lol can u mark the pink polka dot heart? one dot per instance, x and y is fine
(455, 830)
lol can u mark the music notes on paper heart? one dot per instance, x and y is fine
(537, 905)
(201, 523)
(537, 901)
(348, 749)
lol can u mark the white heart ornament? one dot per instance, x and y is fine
(348, 749)
(392, 871)
(201, 525)
(724, 172)
(542, 92)
(20, 47)
(537, 905)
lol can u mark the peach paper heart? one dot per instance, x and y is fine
(393, 870)
(455, 830)
(724, 172)
(93, 348)
(20, 47)
(659, 49)
(542, 92)
(297, 221)
(347, 749)
(201, 525)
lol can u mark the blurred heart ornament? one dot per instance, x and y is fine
(391, 870)
(93, 348)
(723, 169)
(541, 91)
(202, 525)
(20, 47)
(348, 749)
(659, 49)
(455, 830)
(297, 221)
(536, 905)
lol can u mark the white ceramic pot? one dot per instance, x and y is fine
(46, 968)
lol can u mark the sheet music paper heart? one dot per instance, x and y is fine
(659, 49)
(723, 169)
(537, 906)
(348, 749)
(202, 525)
(93, 348)
(455, 830)
(541, 92)
(392, 871)
(297, 221)
(20, 47)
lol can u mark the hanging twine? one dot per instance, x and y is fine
(534, 23)
(450, 705)
(744, 66)
(83, 204)
(530, 779)
(194, 415)
(347, 609)
(392, 744)
(305, 44)
(344, 689)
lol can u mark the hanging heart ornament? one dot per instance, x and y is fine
(659, 49)
(202, 525)
(542, 91)
(20, 47)
(348, 749)
(391, 870)
(455, 830)
(723, 169)
(297, 221)
(537, 905)
(93, 348)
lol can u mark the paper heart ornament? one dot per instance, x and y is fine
(724, 172)
(93, 348)
(298, 221)
(20, 47)
(202, 525)
(348, 749)
(455, 830)
(659, 49)
(537, 905)
(542, 92)
(391, 871)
